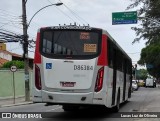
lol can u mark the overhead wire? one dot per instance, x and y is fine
(15, 48)
(9, 17)
(134, 53)
(62, 11)
(8, 13)
(75, 14)
(80, 19)
(7, 31)
(7, 35)
(4, 24)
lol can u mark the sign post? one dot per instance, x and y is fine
(124, 17)
(13, 69)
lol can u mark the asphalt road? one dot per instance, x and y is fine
(143, 100)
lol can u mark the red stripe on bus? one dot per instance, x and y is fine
(37, 56)
(103, 58)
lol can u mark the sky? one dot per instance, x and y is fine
(96, 13)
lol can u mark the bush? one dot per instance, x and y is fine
(19, 64)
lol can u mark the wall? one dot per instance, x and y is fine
(6, 83)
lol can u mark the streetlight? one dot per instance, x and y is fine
(25, 45)
(57, 4)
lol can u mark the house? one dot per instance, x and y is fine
(6, 56)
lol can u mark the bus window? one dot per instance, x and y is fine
(110, 53)
(47, 44)
(74, 43)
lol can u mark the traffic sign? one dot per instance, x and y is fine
(149, 65)
(124, 17)
(13, 68)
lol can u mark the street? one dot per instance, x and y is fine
(143, 100)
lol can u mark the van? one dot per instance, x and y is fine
(150, 82)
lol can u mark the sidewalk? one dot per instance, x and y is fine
(6, 102)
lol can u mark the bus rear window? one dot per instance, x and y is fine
(62, 43)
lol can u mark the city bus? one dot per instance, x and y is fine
(76, 66)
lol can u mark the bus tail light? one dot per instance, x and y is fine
(37, 78)
(102, 59)
(37, 55)
(99, 80)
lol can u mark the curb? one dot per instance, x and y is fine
(17, 104)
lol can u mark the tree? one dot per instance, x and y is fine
(19, 64)
(149, 17)
(142, 74)
(150, 55)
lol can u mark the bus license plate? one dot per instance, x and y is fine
(67, 84)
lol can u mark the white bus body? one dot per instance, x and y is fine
(69, 81)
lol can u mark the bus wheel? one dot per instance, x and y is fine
(116, 108)
(70, 108)
(129, 92)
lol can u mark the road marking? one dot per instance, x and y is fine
(54, 108)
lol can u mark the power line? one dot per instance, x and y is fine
(9, 17)
(75, 14)
(10, 37)
(7, 31)
(10, 24)
(4, 24)
(31, 51)
(62, 12)
(8, 13)
(134, 53)
(15, 48)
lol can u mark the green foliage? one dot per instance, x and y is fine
(150, 55)
(148, 16)
(19, 64)
(142, 74)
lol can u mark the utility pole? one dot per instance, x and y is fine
(25, 51)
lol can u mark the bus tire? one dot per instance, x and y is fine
(116, 108)
(129, 92)
(70, 107)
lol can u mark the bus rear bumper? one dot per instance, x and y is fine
(69, 98)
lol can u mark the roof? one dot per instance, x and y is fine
(13, 54)
(2, 61)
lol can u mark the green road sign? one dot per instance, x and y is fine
(124, 17)
(149, 66)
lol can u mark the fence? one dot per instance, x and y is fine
(8, 85)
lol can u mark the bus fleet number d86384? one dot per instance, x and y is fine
(83, 67)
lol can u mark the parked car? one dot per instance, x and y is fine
(141, 83)
(134, 85)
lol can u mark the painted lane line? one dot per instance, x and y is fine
(54, 108)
